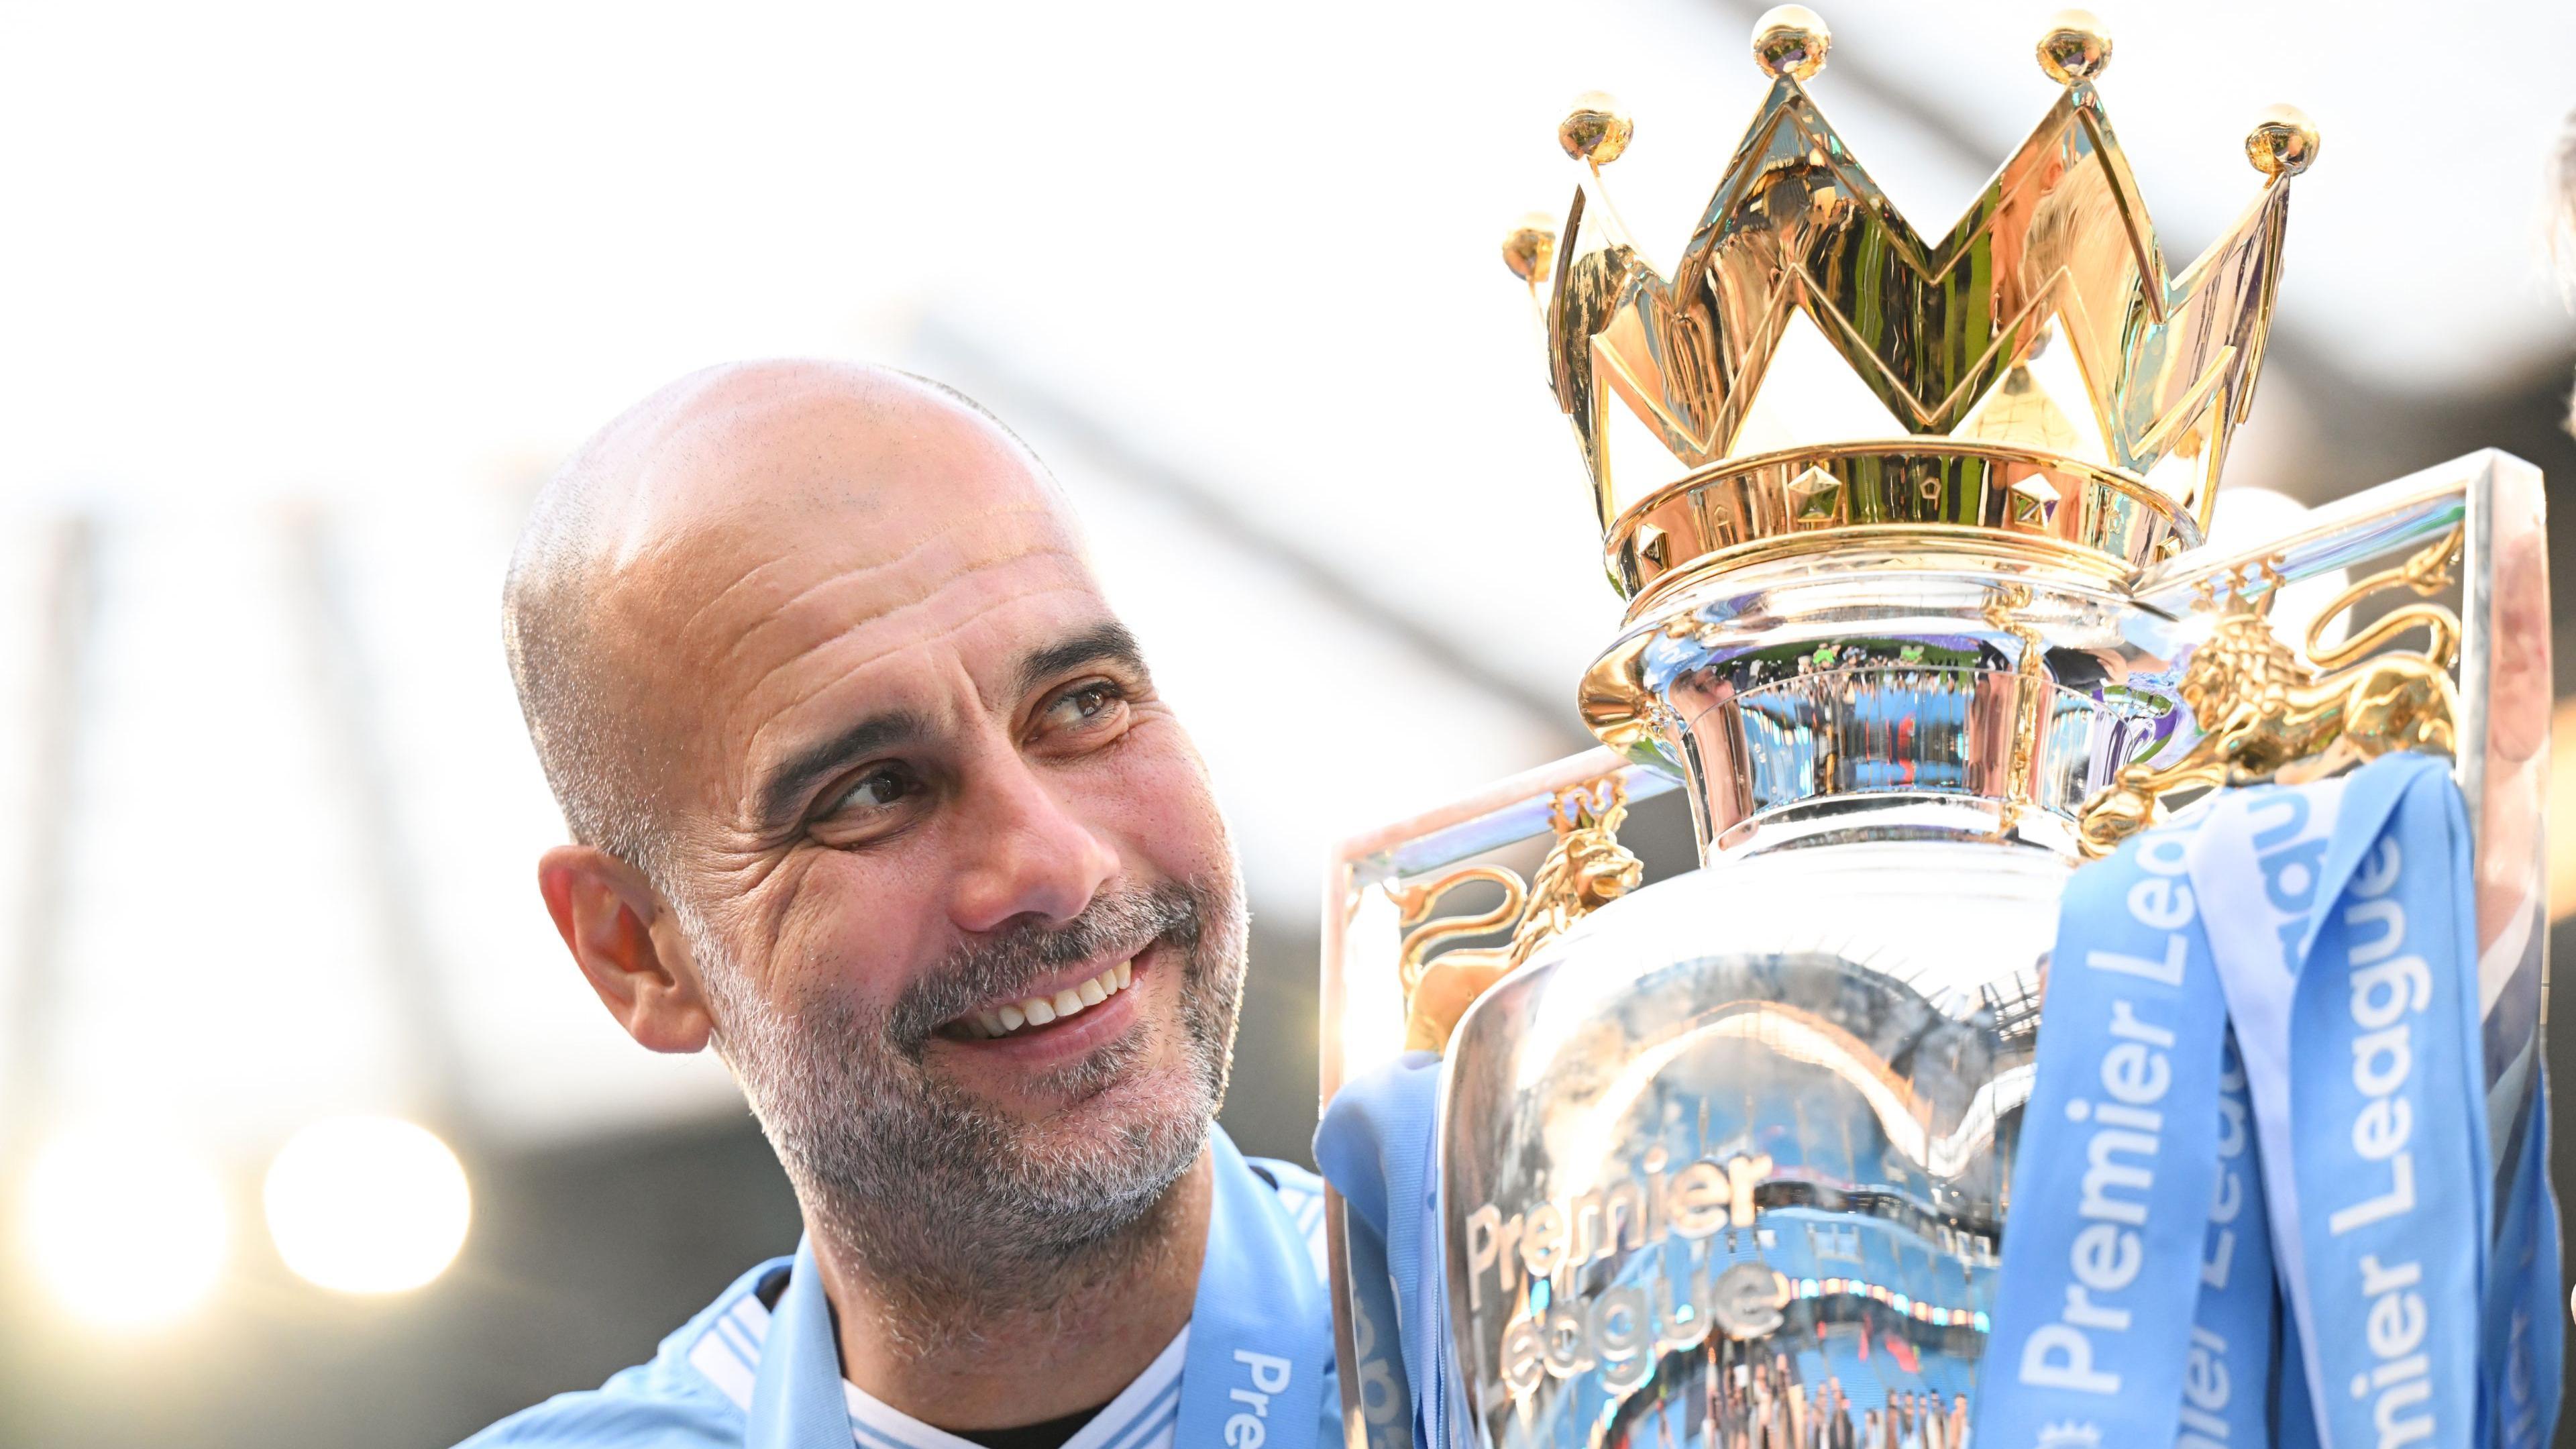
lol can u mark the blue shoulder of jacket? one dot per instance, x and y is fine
(1293, 1182)
(693, 1393)
(669, 1402)
(1302, 1193)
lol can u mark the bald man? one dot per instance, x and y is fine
(871, 792)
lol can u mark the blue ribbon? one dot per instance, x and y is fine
(1377, 1145)
(2326, 932)
(2348, 972)
(2116, 1169)
(1261, 1335)
(2388, 1117)
(1260, 1348)
(2227, 1370)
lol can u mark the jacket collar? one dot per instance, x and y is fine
(796, 1398)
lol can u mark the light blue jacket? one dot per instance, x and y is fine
(738, 1376)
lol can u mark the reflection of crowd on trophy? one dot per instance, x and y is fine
(1768, 1406)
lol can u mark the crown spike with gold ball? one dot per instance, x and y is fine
(2034, 377)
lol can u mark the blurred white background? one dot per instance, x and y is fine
(301, 301)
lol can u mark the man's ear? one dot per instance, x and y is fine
(625, 939)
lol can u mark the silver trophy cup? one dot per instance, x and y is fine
(1726, 1160)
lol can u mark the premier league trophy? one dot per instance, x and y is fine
(1920, 619)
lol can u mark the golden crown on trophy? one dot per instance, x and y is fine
(2033, 381)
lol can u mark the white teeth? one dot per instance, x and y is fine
(1040, 1010)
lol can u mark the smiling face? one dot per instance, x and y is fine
(945, 868)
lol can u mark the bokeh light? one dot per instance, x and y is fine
(367, 1204)
(126, 1229)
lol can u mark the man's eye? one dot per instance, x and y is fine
(876, 804)
(879, 789)
(1089, 704)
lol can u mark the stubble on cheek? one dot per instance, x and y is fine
(871, 1122)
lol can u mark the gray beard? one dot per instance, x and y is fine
(960, 1215)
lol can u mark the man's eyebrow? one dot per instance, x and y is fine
(782, 794)
(1108, 643)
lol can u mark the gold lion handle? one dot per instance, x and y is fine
(2270, 712)
(1584, 870)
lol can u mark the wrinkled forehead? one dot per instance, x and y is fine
(790, 545)
(759, 598)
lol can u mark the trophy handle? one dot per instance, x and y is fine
(1376, 895)
(2498, 735)
(2264, 710)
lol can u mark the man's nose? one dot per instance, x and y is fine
(1033, 855)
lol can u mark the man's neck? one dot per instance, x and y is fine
(1069, 1346)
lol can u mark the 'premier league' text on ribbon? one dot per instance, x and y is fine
(2120, 1152)
(2387, 990)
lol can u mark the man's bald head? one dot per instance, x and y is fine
(875, 793)
(715, 462)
